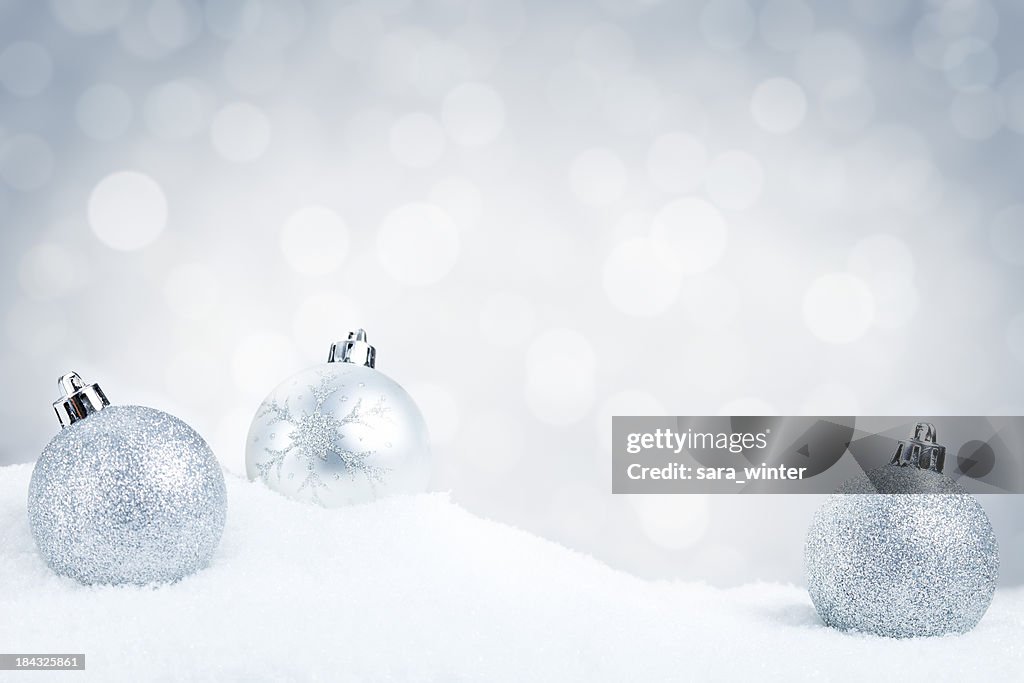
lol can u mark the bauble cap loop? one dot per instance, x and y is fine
(921, 450)
(355, 349)
(79, 401)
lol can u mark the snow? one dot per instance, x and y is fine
(416, 588)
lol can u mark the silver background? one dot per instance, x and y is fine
(859, 254)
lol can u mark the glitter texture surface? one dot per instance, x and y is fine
(901, 552)
(127, 495)
(339, 434)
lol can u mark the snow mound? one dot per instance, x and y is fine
(417, 588)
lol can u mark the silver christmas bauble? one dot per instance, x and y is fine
(340, 433)
(902, 551)
(124, 494)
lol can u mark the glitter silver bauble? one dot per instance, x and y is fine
(903, 550)
(124, 494)
(340, 433)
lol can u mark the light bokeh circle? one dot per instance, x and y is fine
(127, 210)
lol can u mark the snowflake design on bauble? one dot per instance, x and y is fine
(318, 435)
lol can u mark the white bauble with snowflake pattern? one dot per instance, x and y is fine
(340, 433)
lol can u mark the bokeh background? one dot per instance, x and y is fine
(544, 213)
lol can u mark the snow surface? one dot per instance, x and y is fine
(417, 588)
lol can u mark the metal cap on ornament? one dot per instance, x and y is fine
(921, 450)
(79, 401)
(355, 350)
